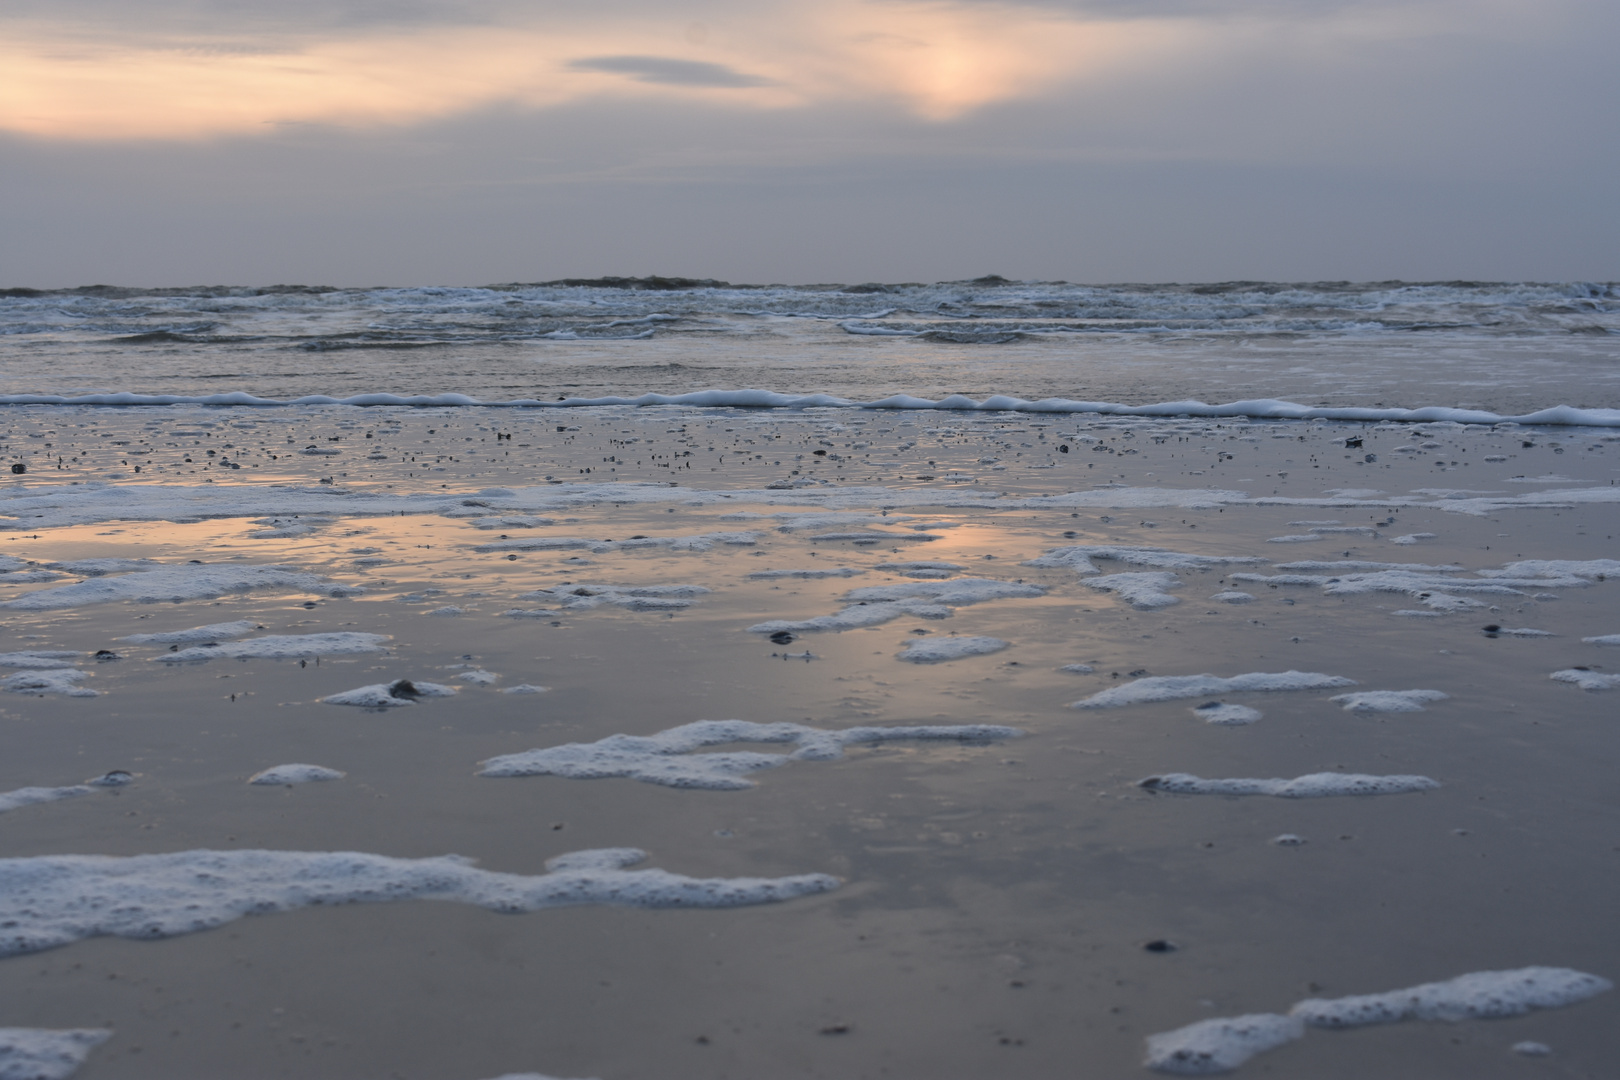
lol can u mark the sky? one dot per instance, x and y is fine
(464, 142)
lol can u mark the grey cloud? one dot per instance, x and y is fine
(668, 71)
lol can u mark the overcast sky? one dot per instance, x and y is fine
(165, 142)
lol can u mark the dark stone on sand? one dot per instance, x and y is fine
(1063, 448)
(1160, 945)
(781, 637)
(404, 689)
(18, 469)
(1351, 444)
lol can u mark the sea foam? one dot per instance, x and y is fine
(666, 758)
(52, 900)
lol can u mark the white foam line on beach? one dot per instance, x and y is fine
(666, 758)
(32, 507)
(941, 649)
(1221, 1045)
(1390, 701)
(1312, 786)
(182, 581)
(1174, 687)
(1257, 408)
(282, 647)
(47, 1053)
(1603, 639)
(53, 900)
(287, 775)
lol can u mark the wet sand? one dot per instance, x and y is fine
(995, 898)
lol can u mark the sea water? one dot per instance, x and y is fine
(1224, 662)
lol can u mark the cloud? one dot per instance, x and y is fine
(81, 78)
(667, 71)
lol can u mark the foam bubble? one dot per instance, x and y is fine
(1605, 639)
(1173, 687)
(666, 757)
(295, 774)
(52, 900)
(935, 650)
(1233, 597)
(282, 647)
(1312, 786)
(1367, 701)
(526, 688)
(46, 1053)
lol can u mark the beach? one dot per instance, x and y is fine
(953, 901)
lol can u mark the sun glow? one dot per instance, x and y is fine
(937, 60)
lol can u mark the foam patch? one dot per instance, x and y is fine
(196, 635)
(1391, 701)
(879, 604)
(29, 796)
(1221, 1045)
(808, 575)
(936, 650)
(584, 597)
(39, 660)
(1079, 558)
(1219, 712)
(666, 758)
(1313, 786)
(46, 1053)
(282, 647)
(1144, 590)
(1174, 687)
(184, 581)
(295, 774)
(53, 900)
(1604, 639)
(63, 681)
(1586, 680)
(705, 542)
(389, 695)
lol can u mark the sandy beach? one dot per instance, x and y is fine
(945, 906)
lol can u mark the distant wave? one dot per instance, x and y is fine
(1257, 408)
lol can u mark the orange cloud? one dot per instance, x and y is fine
(939, 60)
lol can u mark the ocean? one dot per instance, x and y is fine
(648, 679)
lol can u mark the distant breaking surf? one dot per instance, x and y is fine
(1256, 409)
